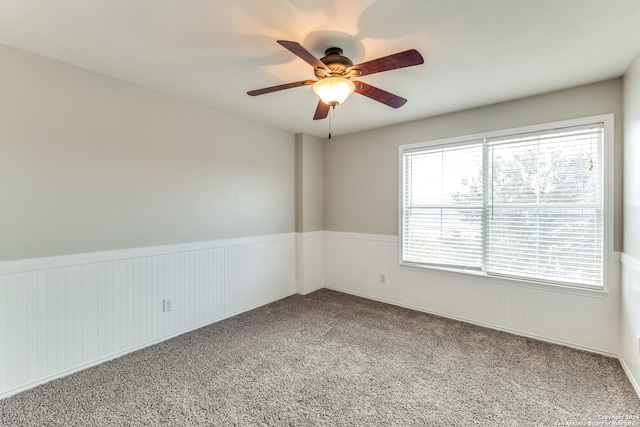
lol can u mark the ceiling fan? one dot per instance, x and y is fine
(335, 71)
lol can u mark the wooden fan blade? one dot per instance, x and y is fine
(322, 111)
(280, 87)
(380, 95)
(302, 53)
(407, 58)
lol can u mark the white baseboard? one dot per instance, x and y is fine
(310, 291)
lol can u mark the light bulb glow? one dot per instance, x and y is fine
(333, 90)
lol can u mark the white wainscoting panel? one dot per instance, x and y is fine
(630, 319)
(259, 273)
(62, 314)
(310, 262)
(354, 263)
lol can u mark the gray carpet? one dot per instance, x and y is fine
(334, 359)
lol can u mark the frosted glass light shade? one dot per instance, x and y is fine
(333, 90)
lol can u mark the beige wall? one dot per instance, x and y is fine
(632, 160)
(630, 295)
(90, 163)
(309, 183)
(361, 169)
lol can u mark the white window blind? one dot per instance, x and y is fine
(528, 206)
(442, 220)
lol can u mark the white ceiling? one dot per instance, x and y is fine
(477, 52)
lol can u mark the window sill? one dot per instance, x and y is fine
(476, 275)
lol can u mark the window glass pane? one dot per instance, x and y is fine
(562, 245)
(448, 237)
(546, 213)
(442, 207)
(528, 206)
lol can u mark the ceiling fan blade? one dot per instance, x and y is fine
(280, 87)
(302, 53)
(322, 111)
(407, 58)
(380, 95)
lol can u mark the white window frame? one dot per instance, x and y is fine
(608, 192)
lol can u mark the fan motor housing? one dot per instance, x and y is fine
(335, 61)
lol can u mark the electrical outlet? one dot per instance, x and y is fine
(167, 305)
(638, 343)
(383, 278)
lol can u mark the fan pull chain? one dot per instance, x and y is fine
(331, 113)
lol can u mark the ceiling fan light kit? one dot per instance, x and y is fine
(333, 90)
(334, 72)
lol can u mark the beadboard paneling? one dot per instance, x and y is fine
(310, 262)
(630, 319)
(63, 314)
(588, 320)
(255, 274)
